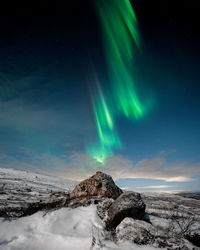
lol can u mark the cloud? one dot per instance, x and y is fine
(36, 113)
(157, 188)
(150, 187)
(78, 166)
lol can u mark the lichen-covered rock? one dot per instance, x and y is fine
(129, 204)
(144, 233)
(136, 231)
(99, 185)
(103, 207)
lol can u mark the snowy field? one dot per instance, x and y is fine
(21, 189)
(67, 228)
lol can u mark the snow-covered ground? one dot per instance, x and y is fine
(20, 190)
(25, 179)
(63, 229)
(67, 228)
(164, 204)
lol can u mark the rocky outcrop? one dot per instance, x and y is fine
(129, 204)
(143, 233)
(98, 186)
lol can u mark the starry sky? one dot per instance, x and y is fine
(51, 57)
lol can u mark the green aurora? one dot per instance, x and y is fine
(120, 38)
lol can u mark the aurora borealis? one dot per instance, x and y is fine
(108, 138)
(102, 85)
(119, 25)
(120, 31)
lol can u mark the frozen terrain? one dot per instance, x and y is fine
(163, 205)
(63, 228)
(23, 192)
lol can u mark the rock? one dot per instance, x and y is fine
(137, 231)
(98, 186)
(144, 233)
(129, 204)
(102, 208)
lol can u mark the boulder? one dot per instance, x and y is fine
(98, 186)
(137, 231)
(144, 233)
(128, 204)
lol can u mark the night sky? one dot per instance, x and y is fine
(51, 57)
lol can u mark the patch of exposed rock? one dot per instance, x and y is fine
(102, 208)
(96, 187)
(129, 204)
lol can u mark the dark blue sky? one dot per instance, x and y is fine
(47, 60)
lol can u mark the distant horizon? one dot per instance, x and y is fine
(143, 189)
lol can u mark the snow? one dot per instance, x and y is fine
(64, 229)
(19, 188)
(67, 228)
(31, 179)
(159, 222)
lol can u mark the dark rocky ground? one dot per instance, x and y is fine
(192, 195)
